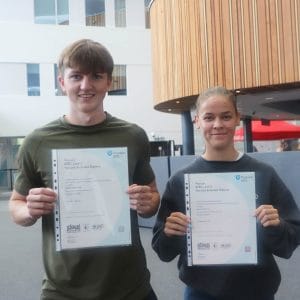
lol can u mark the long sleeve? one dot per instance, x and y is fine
(285, 238)
(166, 247)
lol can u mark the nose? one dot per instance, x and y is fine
(85, 83)
(218, 123)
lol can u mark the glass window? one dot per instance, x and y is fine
(147, 13)
(95, 12)
(33, 79)
(120, 13)
(51, 12)
(118, 86)
(9, 147)
(62, 12)
(44, 11)
(58, 90)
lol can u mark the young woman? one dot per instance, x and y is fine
(278, 218)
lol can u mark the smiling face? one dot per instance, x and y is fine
(86, 92)
(85, 74)
(217, 119)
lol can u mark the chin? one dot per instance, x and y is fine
(220, 146)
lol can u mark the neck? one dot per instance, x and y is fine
(85, 119)
(229, 155)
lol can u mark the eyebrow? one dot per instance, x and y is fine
(223, 113)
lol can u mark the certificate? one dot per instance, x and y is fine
(223, 227)
(92, 208)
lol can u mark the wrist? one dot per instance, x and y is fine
(30, 220)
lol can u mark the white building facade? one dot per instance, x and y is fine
(34, 32)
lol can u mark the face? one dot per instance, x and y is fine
(217, 119)
(86, 92)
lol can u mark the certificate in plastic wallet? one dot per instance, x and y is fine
(223, 227)
(92, 208)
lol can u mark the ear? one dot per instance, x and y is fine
(238, 119)
(109, 83)
(197, 121)
(61, 83)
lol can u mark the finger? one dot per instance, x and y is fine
(40, 205)
(38, 212)
(132, 186)
(133, 204)
(181, 216)
(175, 229)
(144, 202)
(146, 197)
(270, 219)
(134, 207)
(43, 191)
(268, 223)
(170, 232)
(263, 208)
(144, 207)
(139, 189)
(182, 220)
(41, 198)
(140, 205)
(268, 213)
(177, 226)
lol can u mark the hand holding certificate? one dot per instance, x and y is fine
(221, 207)
(93, 206)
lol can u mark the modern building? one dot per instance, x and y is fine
(33, 33)
(249, 47)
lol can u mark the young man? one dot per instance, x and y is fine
(112, 273)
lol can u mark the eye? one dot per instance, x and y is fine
(227, 117)
(98, 76)
(208, 118)
(75, 77)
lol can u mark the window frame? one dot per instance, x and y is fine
(119, 81)
(55, 16)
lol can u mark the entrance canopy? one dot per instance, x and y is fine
(273, 130)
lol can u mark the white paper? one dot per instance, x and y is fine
(93, 207)
(223, 227)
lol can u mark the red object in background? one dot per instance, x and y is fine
(275, 130)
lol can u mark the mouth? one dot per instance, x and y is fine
(219, 136)
(86, 96)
